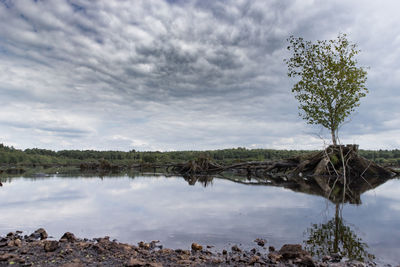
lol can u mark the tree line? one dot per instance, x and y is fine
(43, 157)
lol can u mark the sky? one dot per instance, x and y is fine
(184, 75)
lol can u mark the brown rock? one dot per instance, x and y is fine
(14, 243)
(50, 246)
(254, 260)
(6, 256)
(196, 247)
(72, 265)
(40, 233)
(217, 261)
(260, 242)
(292, 251)
(236, 249)
(274, 256)
(70, 237)
(306, 261)
(144, 245)
(133, 262)
(180, 251)
(18, 242)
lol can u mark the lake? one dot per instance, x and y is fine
(216, 212)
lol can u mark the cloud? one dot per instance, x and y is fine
(178, 74)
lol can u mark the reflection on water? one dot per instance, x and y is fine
(211, 211)
(335, 236)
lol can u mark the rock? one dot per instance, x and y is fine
(39, 233)
(144, 245)
(336, 257)
(72, 265)
(326, 258)
(260, 242)
(224, 252)
(271, 248)
(18, 242)
(306, 261)
(290, 251)
(133, 262)
(274, 256)
(254, 260)
(181, 251)
(14, 243)
(70, 237)
(6, 257)
(235, 249)
(10, 234)
(50, 246)
(196, 247)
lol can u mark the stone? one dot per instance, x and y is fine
(224, 252)
(18, 242)
(271, 248)
(39, 233)
(70, 237)
(274, 256)
(306, 261)
(260, 242)
(196, 247)
(292, 251)
(254, 260)
(72, 265)
(133, 262)
(236, 249)
(50, 246)
(336, 257)
(6, 257)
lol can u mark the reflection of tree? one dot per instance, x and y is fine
(205, 180)
(333, 237)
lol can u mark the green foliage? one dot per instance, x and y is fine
(43, 157)
(331, 85)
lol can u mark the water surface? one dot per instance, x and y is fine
(132, 209)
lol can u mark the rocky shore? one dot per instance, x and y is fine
(37, 249)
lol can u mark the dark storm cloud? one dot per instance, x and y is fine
(174, 74)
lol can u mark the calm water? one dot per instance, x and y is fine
(176, 213)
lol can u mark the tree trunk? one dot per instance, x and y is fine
(333, 133)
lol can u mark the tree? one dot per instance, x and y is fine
(331, 84)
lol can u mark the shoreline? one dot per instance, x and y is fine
(37, 249)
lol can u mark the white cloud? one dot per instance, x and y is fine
(183, 75)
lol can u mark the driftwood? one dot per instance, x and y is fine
(338, 172)
(339, 161)
(202, 165)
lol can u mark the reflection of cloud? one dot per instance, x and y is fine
(150, 208)
(389, 190)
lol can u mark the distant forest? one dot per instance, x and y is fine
(31, 157)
